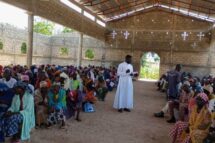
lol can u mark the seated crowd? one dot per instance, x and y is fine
(192, 109)
(46, 95)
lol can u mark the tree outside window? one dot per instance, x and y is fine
(64, 51)
(89, 54)
(24, 48)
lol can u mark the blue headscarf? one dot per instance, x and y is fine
(198, 88)
(23, 85)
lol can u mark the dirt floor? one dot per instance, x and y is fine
(106, 125)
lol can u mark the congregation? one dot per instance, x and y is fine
(45, 95)
(190, 105)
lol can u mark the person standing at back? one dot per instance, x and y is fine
(174, 86)
(124, 94)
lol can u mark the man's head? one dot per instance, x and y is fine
(178, 67)
(128, 59)
(7, 74)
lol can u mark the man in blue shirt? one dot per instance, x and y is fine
(174, 85)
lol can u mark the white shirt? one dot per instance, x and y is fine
(9, 83)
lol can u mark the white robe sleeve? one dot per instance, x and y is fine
(120, 71)
(131, 69)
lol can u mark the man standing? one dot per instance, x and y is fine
(174, 86)
(124, 94)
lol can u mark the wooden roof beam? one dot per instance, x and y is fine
(98, 3)
(192, 5)
(187, 8)
(121, 7)
(209, 1)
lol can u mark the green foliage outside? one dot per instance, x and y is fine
(24, 48)
(45, 28)
(89, 54)
(149, 69)
(1, 45)
(149, 72)
(67, 30)
(64, 51)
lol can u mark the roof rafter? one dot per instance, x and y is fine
(109, 9)
(121, 7)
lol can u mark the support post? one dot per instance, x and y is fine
(211, 63)
(30, 39)
(80, 47)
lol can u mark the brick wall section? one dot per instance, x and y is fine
(46, 49)
(160, 32)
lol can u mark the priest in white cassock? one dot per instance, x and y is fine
(124, 94)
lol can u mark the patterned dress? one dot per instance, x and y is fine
(198, 125)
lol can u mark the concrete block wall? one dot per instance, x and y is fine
(161, 32)
(46, 48)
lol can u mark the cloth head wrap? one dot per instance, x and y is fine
(43, 84)
(24, 78)
(203, 96)
(23, 85)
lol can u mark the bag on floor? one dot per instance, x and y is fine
(88, 107)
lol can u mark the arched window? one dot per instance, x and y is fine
(150, 66)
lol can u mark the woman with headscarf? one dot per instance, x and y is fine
(199, 122)
(19, 119)
(56, 105)
(25, 78)
(42, 76)
(41, 103)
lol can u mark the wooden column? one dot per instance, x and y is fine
(80, 47)
(212, 52)
(30, 39)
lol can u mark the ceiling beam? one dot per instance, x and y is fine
(88, 2)
(154, 9)
(121, 7)
(209, 1)
(192, 5)
(93, 4)
(171, 4)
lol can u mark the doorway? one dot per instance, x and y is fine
(149, 66)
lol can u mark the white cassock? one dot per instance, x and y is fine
(124, 93)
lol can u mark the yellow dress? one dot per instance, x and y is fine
(199, 124)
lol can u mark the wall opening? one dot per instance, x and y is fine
(149, 66)
(89, 54)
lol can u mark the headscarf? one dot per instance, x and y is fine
(203, 96)
(198, 89)
(63, 75)
(23, 85)
(208, 88)
(43, 84)
(24, 78)
(187, 83)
